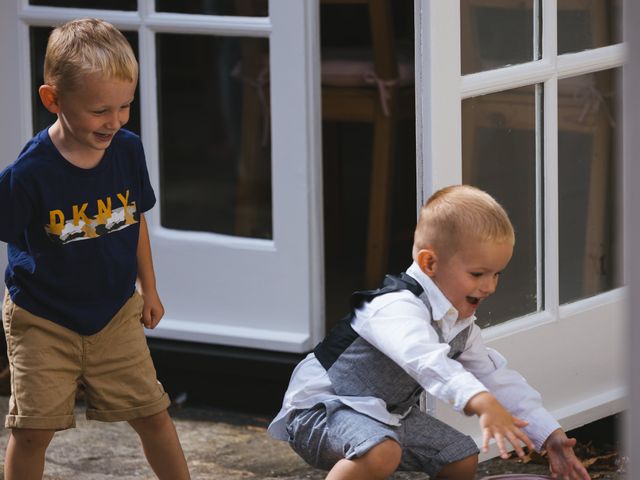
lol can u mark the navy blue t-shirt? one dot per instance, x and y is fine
(72, 233)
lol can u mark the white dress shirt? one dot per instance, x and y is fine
(399, 325)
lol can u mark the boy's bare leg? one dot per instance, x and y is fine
(24, 458)
(378, 463)
(162, 446)
(464, 469)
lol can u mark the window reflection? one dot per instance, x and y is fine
(499, 143)
(496, 33)
(585, 24)
(588, 194)
(98, 4)
(247, 8)
(215, 148)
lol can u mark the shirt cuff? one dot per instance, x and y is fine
(541, 424)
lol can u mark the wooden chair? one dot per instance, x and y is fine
(372, 85)
(254, 157)
(253, 160)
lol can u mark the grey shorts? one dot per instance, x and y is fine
(326, 433)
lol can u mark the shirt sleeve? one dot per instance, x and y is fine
(147, 196)
(399, 325)
(508, 386)
(16, 208)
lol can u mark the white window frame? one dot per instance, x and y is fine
(588, 324)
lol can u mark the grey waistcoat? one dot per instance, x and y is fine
(356, 368)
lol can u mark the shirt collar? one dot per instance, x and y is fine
(441, 307)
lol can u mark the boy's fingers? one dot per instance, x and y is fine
(581, 471)
(501, 447)
(147, 318)
(516, 445)
(519, 422)
(513, 439)
(485, 440)
(526, 440)
(153, 320)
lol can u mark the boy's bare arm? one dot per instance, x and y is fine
(496, 422)
(153, 309)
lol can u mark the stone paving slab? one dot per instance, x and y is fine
(218, 445)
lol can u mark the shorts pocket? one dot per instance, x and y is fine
(8, 312)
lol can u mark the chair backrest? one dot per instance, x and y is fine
(383, 43)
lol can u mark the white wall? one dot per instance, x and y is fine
(10, 138)
(631, 147)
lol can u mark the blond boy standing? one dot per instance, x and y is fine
(72, 216)
(352, 405)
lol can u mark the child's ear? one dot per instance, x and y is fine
(49, 98)
(427, 261)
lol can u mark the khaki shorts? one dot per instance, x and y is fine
(48, 362)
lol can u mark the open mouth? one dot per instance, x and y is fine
(473, 300)
(103, 136)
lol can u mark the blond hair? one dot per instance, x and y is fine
(85, 46)
(457, 214)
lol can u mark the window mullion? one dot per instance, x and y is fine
(550, 30)
(149, 109)
(549, 181)
(438, 116)
(209, 24)
(47, 16)
(540, 215)
(507, 78)
(146, 8)
(589, 61)
(550, 195)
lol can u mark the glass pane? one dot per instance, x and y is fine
(585, 24)
(588, 160)
(499, 156)
(369, 157)
(496, 33)
(42, 118)
(99, 4)
(215, 149)
(245, 8)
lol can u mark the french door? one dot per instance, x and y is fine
(226, 108)
(518, 98)
(522, 99)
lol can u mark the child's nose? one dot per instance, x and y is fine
(116, 120)
(113, 120)
(489, 285)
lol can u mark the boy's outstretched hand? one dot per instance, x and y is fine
(563, 463)
(496, 422)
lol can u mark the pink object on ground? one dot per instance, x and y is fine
(517, 476)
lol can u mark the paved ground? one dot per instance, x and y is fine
(218, 445)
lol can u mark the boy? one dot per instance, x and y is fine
(72, 215)
(351, 406)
